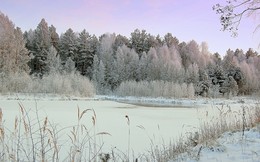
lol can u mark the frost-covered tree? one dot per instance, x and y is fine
(183, 49)
(53, 61)
(83, 56)
(13, 54)
(142, 70)
(228, 60)
(99, 76)
(41, 44)
(249, 81)
(68, 45)
(250, 53)
(29, 36)
(120, 41)
(163, 65)
(87, 46)
(233, 86)
(43, 36)
(138, 41)
(206, 57)
(164, 61)
(54, 37)
(129, 62)
(154, 72)
(239, 55)
(120, 63)
(69, 66)
(106, 55)
(216, 78)
(105, 50)
(170, 41)
(22, 57)
(95, 69)
(175, 58)
(171, 63)
(216, 58)
(192, 74)
(153, 41)
(193, 55)
(233, 63)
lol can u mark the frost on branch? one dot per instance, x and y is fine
(233, 12)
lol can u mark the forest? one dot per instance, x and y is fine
(79, 63)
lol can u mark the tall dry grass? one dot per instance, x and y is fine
(209, 130)
(33, 138)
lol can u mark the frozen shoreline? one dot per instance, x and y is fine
(140, 101)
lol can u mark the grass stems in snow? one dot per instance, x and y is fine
(210, 130)
(34, 138)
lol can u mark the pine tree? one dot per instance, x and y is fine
(68, 46)
(138, 41)
(41, 44)
(54, 37)
(120, 41)
(170, 41)
(87, 47)
(29, 37)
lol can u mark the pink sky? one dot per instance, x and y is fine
(185, 19)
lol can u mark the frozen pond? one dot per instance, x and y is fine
(149, 126)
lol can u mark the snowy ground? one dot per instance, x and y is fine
(229, 147)
(152, 121)
(235, 147)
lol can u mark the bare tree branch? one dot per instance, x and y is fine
(232, 13)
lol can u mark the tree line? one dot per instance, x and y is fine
(112, 60)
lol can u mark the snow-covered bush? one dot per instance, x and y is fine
(155, 89)
(64, 84)
(17, 82)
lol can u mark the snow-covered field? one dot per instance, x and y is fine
(230, 147)
(152, 121)
(235, 147)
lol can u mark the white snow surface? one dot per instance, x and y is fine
(230, 147)
(153, 121)
(236, 147)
